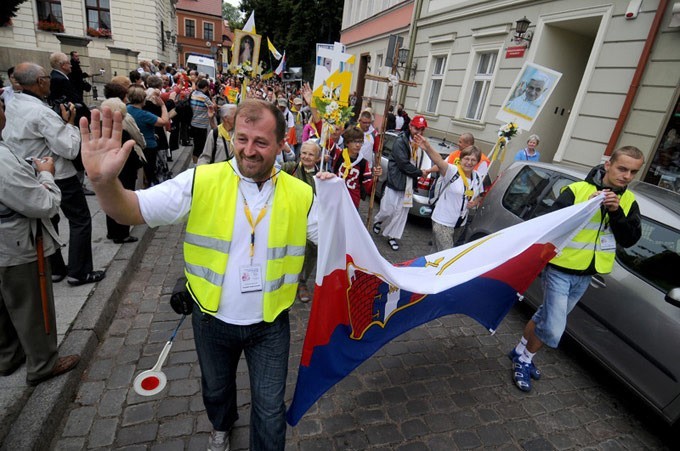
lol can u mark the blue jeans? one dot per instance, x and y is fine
(561, 293)
(219, 346)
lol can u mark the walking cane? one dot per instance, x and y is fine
(43, 278)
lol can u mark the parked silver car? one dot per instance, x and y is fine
(421, 196)
(629, 320)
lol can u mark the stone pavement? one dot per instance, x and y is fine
(444, 385)
(83, 317)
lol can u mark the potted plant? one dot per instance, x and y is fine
(51, 26)
(99, 32)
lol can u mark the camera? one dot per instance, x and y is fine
(56, 104)
(30, 161)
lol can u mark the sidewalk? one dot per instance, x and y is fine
(28, 415)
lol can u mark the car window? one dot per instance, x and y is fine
(546, 202)
(525, 189)
(656, 255)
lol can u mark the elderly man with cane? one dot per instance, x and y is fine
(28, 331)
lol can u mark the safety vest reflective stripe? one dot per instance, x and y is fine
(274, 253)
(206, 256)
(208, 242)
(204, 273)
(273, 285)
(593, 225)
(587, 243)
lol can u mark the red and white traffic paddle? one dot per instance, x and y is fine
(153, 381)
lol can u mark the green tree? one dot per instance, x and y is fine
(9, 9)
(296, 26)
(233, 15)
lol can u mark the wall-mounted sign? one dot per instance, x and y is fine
(515, 51)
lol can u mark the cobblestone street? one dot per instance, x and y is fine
(445, 385)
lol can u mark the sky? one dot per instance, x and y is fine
(233, 2)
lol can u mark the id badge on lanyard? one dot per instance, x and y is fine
(250, 278)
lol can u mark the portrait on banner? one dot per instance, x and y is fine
(528, 95)
(246, 48)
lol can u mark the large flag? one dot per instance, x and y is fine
(250, 24)
(282, 65)
(361, 301)
(272, 49)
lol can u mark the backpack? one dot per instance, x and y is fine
(216, 135)
(183, 108)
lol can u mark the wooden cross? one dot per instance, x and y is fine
(388, 98)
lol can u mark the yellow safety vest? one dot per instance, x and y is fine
(210, 229)
(578, 253)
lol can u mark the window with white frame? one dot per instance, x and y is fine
(436, 82)
(483, 77)
(190, 28)
(208, 33)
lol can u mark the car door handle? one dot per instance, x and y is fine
(597, 282)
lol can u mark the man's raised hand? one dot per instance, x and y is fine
(102, 153)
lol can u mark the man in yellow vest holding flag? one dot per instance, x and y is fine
(591, 251)
(247, 225)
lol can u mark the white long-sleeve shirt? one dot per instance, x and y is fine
(33, 129)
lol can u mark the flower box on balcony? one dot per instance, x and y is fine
(99, 32)
(51, 26)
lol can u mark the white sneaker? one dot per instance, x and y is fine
(218, 441)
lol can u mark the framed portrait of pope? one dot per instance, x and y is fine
(529, 94)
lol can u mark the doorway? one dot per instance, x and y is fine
(364, 59)
(565, 46)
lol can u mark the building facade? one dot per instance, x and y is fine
(111, 37)
(620, 67)
(201, 30)
(366, 30)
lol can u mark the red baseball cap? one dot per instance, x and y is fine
(419, 122)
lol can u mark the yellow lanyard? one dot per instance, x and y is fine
(249, 216)
(468, 191)
(260, 216)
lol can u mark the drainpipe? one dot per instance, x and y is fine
(417, 7)
(637, 77)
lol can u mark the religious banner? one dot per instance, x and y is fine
(246, 55)
(332, 80)
(529, 94)
(332, 73)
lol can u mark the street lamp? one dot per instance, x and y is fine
(402, 58)
(521, 27)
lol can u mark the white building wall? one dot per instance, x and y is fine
(135, 25)
(606, 82)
